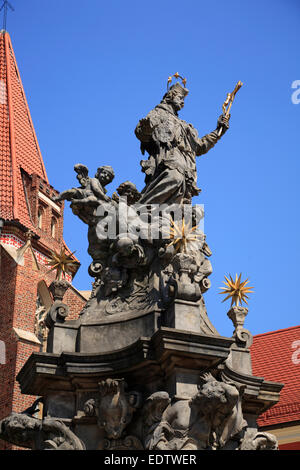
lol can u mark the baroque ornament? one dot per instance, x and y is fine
(236, 290)
(62, 263)
(113, 408)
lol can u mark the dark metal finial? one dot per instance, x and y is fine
(5, 7)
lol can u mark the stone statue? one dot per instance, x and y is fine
(145, 323)
(135, 267)
(172, 145)
(207, 421)
(47, 434)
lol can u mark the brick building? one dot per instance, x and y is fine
(31, 225)
(276, 356)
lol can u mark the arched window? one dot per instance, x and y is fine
(40, 217)
(53, 227)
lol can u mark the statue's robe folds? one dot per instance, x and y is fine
(172, 145)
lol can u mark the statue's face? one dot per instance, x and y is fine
(104, 177)
(130, 194)
(178, 101)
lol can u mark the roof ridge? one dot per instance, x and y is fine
(20, 148)
(28, 110)
(277, 331)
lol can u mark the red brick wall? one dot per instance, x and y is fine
(7, 370)
(75, 303)
(35, 185)
(18, 295)
(21, 402)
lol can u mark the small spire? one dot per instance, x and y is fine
(4, 7)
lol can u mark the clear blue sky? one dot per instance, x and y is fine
(91, 69)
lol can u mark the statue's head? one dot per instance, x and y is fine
(214, 395)
(105, 174)
(175, 96)
(128, 190)
(197, 215)
(82, 173)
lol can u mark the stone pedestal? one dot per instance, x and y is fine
(161, 372)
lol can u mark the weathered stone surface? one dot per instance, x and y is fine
(206, 421)
(47, 434)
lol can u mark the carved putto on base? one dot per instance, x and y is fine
(206, 421)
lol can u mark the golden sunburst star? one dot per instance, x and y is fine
(181, 235)
(236, 289)
(62, 263)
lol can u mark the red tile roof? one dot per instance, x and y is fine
(276, 356)
(18, 143)
(19, 148)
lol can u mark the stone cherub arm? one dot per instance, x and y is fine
(96, 191)
(76, 193)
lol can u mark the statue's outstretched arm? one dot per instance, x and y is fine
(98, 190)
(68, 194)
(208, 141)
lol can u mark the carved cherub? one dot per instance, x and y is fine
(76, 193)
(128, 252)
(127, 190)
(114, 279)
(92, 190)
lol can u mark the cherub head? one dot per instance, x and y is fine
(128, 190)
(105, 174)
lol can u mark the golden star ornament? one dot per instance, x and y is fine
(236, 290)
(62, 263)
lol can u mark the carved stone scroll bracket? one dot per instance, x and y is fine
(58, 311)
(205, 284)
(95, 269)
(237, 315)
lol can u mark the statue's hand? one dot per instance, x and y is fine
(223, 123)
